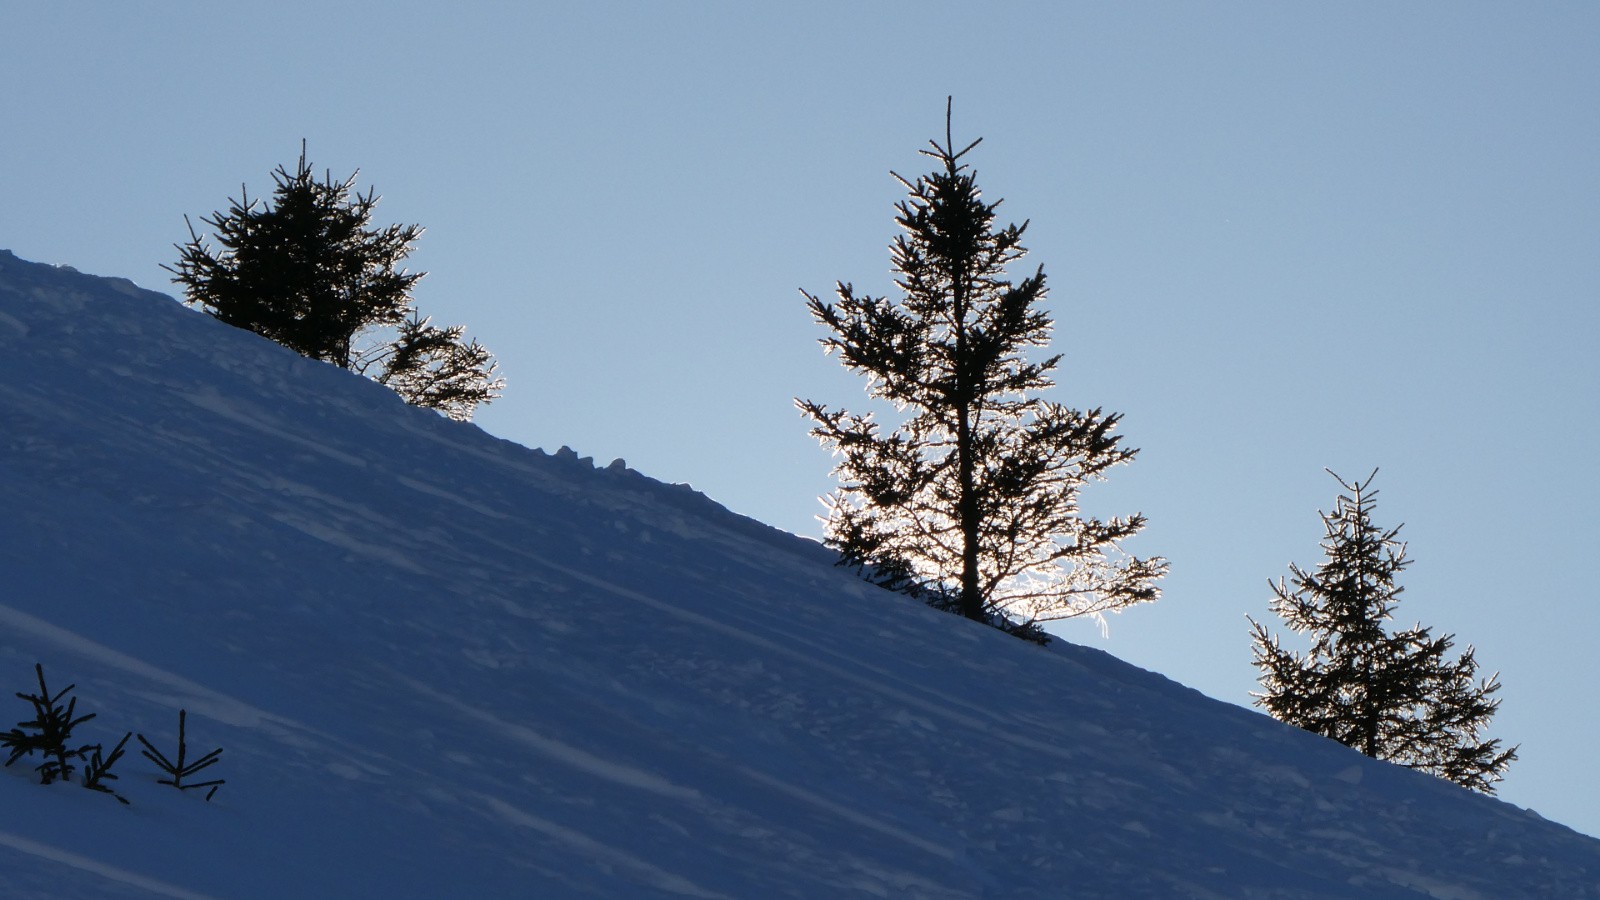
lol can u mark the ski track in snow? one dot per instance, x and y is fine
(208, 399)
(981, 721)
(196, 697)
(632, 777)
(95, 867)
(848, 814)
(342, 539)
(596, 850)
(564, 753)
(423, 487)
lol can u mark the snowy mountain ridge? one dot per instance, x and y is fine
(441, 664)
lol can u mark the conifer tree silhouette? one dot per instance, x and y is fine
(310, 271)
(1392, 696)
(972, 502)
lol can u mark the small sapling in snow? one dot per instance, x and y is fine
(49, 732)
(181, 769)
(97, 771)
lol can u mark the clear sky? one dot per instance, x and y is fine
(1279, 237)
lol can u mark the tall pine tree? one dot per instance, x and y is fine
(1391, 696)
(975, 495)
(310, 271)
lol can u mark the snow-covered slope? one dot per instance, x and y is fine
(443, 665)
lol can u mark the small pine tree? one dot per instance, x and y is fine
(432, 367)
(97, 769)
(307, 270)
(49, 732)
(310, 271)
(181, 766)
(1390, 696)
(974, 500)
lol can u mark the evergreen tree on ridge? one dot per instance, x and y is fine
(1390, 696)
(310, 271)
(973, 501)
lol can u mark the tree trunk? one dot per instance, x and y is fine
(967, 511)
(971, 597)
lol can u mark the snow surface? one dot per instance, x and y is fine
(441, 664)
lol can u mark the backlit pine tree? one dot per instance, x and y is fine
(1391, 696)
(973, 501)
(310, 271)
(433, 367)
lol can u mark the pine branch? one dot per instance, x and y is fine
(97, 770)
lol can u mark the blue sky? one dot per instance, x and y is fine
(1278, 238)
